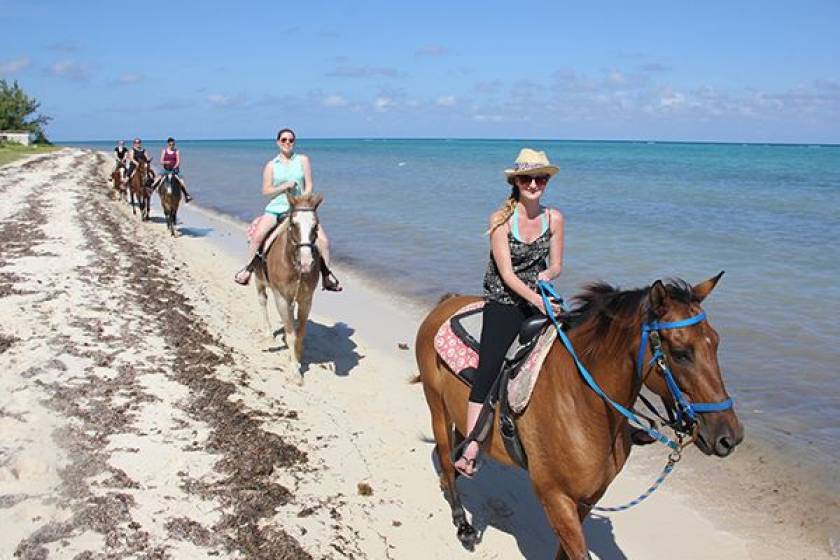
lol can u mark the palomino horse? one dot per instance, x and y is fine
(140, 191)
(576, 442)
(291, 269)
(170, 199)
(120, 184)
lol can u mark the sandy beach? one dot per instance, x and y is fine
(144, 415)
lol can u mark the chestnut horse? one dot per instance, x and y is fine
(138, 187)
(291, 269)
(170, 198)
(120, 185)
(577, 443)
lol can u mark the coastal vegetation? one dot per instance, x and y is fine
(19, 113)
(10, 151)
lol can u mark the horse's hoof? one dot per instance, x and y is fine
(467, 536)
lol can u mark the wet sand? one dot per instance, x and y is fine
(143, 414)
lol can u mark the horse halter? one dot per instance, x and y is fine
(686, 410)
(311, 244)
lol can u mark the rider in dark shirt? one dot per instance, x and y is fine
(120, 153)
(136, 155)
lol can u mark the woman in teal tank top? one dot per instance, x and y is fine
(289, 172)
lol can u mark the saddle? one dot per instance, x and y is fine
(457, 344)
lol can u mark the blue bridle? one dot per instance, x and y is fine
(650, 331)
(684, 406)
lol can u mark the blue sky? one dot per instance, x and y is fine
(710, 71)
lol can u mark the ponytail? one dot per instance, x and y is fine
(505, 211)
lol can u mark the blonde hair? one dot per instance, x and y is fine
(505, 211)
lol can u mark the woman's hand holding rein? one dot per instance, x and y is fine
(283, 187)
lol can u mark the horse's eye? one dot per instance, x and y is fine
(682, 355)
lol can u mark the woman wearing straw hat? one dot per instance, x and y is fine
(526, 242)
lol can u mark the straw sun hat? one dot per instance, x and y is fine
(531, 162)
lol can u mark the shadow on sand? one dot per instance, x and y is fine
(503, 498)
(182, 230)
(324, 345)
(193, 231)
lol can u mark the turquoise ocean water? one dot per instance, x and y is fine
(410, 215)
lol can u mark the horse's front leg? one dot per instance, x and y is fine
(564, 516)
(445, 442)
(262, 298)
(285, 308)
(303, 309)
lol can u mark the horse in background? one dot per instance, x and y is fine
(141, 193)
(170, 198)
(120, 183)
(576, 443)
(291, 267)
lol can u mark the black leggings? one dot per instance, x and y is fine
(500, 326)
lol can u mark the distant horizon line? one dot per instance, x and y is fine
(428, 138)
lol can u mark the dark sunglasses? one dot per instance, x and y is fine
(287, 140)
(540, 180)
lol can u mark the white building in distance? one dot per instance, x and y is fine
(25, 138)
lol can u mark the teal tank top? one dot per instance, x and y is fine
(291, 171)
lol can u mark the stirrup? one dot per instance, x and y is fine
(329, 281)
(249, 268)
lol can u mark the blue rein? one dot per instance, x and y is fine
(684, 406)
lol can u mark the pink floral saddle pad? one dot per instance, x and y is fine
(459, 356)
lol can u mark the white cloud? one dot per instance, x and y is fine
(616, 78)
(71, 70)
(334, 101)
(14, 65)
(445, 101)
(220, 100)
(383, 103)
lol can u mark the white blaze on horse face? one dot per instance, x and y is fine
(305, 222)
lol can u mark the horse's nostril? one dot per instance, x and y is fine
(724, 446)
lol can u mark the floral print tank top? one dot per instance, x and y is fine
(527, 260)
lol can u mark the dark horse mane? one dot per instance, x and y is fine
(602, 313)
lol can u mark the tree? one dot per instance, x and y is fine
(17, 111)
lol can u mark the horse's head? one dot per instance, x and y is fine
(303, 229)
(689, 345)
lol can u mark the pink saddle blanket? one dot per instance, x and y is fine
(458, 356)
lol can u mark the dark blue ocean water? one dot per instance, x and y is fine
(410, 215)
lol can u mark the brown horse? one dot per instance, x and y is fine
(120, 185)
(576, 443)
(140, 191)
(170, 198)
(291, 269)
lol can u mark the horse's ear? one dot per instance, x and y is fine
(703, 289)
(658, 296)
(317, 199)
(291, 198)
